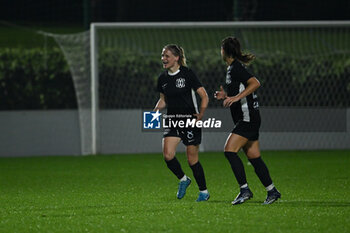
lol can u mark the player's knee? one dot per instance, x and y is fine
(252, 155)
(192, 160)
(168, 154)
(231, 148)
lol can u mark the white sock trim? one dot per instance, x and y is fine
(204, 191)
(270, 187)
(184, 178)
(244, 186)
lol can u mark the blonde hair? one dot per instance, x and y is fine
(178, 52)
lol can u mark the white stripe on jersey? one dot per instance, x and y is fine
(194, 99)
(244, 105)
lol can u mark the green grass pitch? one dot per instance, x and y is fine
(137, 193)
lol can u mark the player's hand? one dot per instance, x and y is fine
(199, 116)
(220, 95)
(229, 101)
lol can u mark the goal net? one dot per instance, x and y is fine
(301, 66)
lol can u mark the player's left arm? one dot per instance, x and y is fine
(252, 84)
(204, 102)
(161, 103)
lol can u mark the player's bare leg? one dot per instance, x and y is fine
(235, 142)
(252, 149)
(169, 145)
(192, 154)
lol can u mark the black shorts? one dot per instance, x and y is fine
(249, 130)
(188, 136)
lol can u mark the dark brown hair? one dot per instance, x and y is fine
(178, 52)
(232, 48)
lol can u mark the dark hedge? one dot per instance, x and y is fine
(37, 79)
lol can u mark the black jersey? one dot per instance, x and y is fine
(179, 90)
(246, 109)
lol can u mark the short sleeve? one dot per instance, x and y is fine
(194, 81)
(159, 85)
(242, 74)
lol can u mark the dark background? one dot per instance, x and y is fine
(34, 73)
(81, 12)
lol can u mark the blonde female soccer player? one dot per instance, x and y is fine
(177, 86)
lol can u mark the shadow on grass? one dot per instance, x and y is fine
(293, 203)
(87, 210)
(53, 208)
(311, 203)
(219, 201)
(106, 213)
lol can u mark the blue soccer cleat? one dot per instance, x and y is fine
(183, 185)
(203, 197)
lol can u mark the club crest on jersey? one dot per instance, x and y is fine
(180, 83)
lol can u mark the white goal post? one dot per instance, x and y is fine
(245, 28)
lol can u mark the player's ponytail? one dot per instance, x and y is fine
(232, 48)
(182, 59)
(178, 52)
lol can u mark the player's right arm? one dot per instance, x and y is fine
(161, 103)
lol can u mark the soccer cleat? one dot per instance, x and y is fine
(203, 197)
(183, 185)
(272, 196)
(244, 195)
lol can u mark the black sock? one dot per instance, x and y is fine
(175, 167)
(262, 171)
(198, 174)
(237, 167)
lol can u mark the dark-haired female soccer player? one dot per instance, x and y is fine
(177, 86)
(243, 103)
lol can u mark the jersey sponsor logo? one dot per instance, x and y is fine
(151, 120)
(180, 83)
